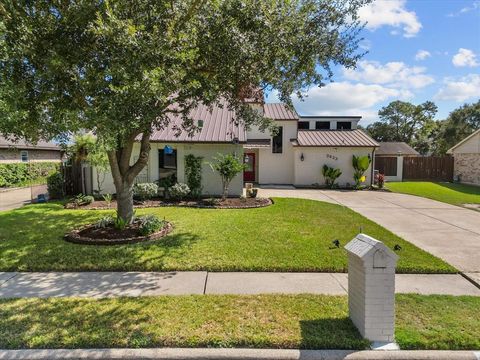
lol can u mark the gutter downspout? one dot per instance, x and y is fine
(373, 167)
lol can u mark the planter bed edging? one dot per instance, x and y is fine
(75, 237)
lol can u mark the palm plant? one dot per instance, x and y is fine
(330, 174)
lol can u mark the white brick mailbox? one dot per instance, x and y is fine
(371, 288)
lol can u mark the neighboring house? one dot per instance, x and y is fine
(294, 156)
(389, 159)
(466, 156)
(22, 151)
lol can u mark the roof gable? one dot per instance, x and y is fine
(334, 138)
(395, 148)
(468, 138)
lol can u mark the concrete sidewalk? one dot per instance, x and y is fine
(234, 354)
(114, 284)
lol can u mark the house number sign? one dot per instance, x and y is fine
(333, 157)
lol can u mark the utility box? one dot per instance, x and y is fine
(371, 288)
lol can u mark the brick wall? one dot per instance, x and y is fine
(467, 167)
(13, 156)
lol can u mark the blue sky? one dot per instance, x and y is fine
(418, 50)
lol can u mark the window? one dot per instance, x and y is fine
(277, 141)
(167, 161)
(322, 125)
(24, 155)
(303, 125)
(344, 125)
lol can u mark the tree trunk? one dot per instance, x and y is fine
(225, 191)
(125, 202)
(124, 174)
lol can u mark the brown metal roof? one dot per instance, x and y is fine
(279, 111)
(395, 148)
(22, 144)
(218, 127)
(334, 138)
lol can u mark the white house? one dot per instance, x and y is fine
(294, 156)
(466, 154)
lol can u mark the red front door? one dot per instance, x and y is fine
(249, 172)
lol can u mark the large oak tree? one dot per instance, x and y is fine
(119, 68)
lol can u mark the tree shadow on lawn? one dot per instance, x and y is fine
(32, 239)
(331, 333)
(462, 188)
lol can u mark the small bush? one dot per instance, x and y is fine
(179, 191)
(380, 180)
(252, 193)
(108, 199)
(193, 174)
(145, 191)
(81, 199)
(330, 174)
(88, 199)
(55, 186)
(105, 222)
(149, 224)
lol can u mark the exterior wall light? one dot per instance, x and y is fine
(302, 158)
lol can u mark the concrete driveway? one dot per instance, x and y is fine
(12, 199)
(449, 232)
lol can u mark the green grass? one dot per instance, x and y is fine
(291, 235)
(259, 321)
(455, 194)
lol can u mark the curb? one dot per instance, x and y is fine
(232, 354)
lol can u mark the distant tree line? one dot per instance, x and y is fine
(415, 125)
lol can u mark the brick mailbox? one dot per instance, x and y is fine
(371, 288)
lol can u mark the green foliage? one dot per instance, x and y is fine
(330, 174)
(108, 199)
(149, 224)
(227, 166)
(120, 223)
(460, 123)
(252, 193)
(179, 191)
(145, 191)
(406, 122)
(360, 165)
(81, 199)
(193, 173)
(15, 174)
(105, 222)
(166, 183)
(55, 186)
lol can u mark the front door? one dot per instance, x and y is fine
(249, 172)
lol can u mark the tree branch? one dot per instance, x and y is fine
(124, 161)
(117, 176)
(142, 161)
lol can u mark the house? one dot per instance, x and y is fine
(389, 159)
(466, 154)
(22, 151)
(294, 156)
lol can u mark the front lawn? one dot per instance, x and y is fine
(451, 193)
(258, 321)
(291, 235)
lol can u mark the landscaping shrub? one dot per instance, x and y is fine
(105, 222)
(55, 186)
(166, 183)
(19, 173)
(380, 180)
(193, 172)
(227, 166)
(179, 191)
(81, 199)
(145, 191)
(149, 224)
(252, 192)
(330, 174)
(360, 165)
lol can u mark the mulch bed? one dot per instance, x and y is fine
(214, 203)
(111, 236)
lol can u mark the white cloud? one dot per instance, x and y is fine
(346, 98)
(390, 13)
(395, 74)
(465, 57)
(467, 87)
(422, 55)
(466, 9)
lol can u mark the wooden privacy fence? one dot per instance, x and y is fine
(386, 165)
(428, 168)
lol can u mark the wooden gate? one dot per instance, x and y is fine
(428, 168)
(386, 165)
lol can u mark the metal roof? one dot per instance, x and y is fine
(22, 144)
(334, 138)
(279, 111)
(395, 148)
(219, 126)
